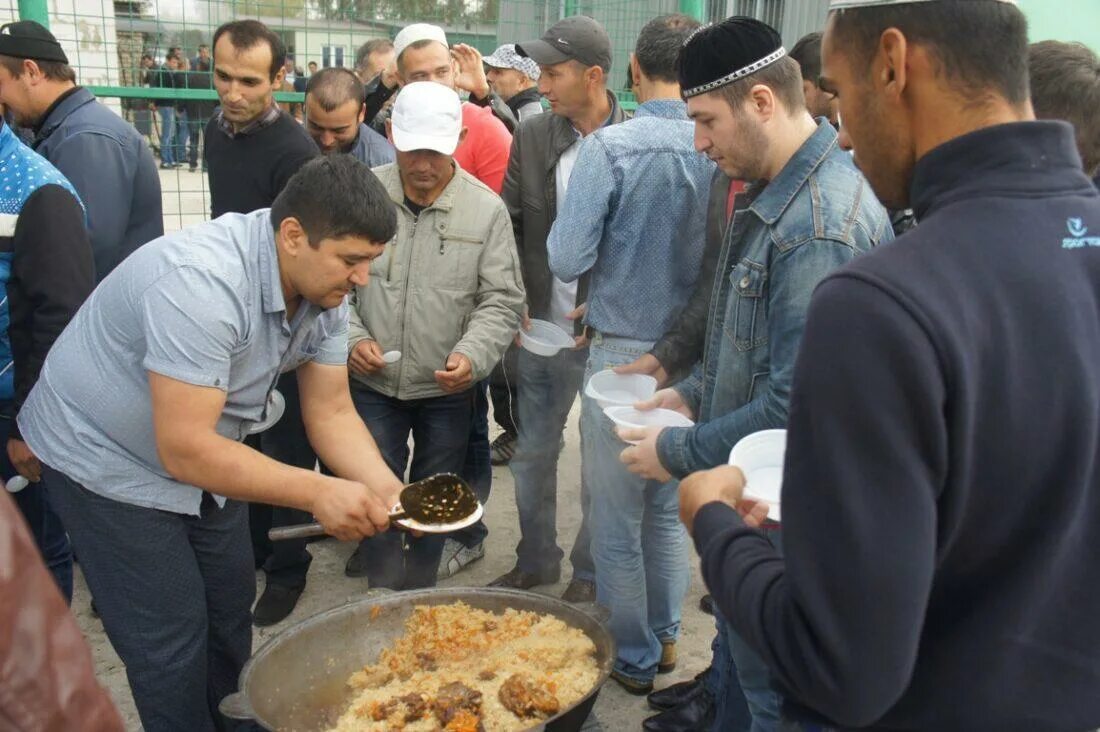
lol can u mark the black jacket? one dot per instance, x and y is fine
(682, 346)
(530, 192)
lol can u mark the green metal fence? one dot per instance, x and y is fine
(106, 39)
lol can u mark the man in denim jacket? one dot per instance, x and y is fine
(807, 212)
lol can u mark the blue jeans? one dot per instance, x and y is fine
(175, 595)
(731, 711)
(638, 543)
(183, 131)
(753, 674)
(44, 523)
(167, 134)
(478, 470)
(547, 388)
(440, 428)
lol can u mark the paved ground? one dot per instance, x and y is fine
(185, 203)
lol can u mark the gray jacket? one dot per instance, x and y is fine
(112, 169)
(449, 281)
(530, 192)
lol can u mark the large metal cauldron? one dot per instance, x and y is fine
(296, 682)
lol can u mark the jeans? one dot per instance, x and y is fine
(503, 385)
(167, 134)
(45, 525)
(183, 131)
(195, 129)
(753, 675)
(731, 710)
(175, 595)
(440, 428)
(639, 545)
(284, 562)
(478, 470)
(547, 388)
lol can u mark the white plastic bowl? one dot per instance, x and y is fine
(545, 338)
(620, 390)
(391, 356)
(760, 457)
(276, 405)
(632, 418)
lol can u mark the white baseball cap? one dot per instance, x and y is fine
(427, 116)
(410, 34)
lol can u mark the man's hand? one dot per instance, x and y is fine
(471, 71)
(366, 358)
(349, 510)
(24, 460)
(580, 341)
(458, 376)
(648, 365)
(666, 399)
(526, 325)
(641, 459)
(723, 484)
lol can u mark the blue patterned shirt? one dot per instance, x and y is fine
(635, 215)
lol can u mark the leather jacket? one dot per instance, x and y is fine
(47, 679)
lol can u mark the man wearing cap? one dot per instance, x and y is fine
(634, 218)
(334, 118)
(515, 78)
(574, 58)
(142, 406)
(447, 297)
(943, 448)
(806, 212)
(101, 154)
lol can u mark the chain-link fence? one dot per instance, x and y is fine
(120, 50)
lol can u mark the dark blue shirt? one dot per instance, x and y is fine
(941, 498)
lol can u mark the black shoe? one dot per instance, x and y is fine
(517, 579)
(694, 714)
(706, 604)
(503, 449)
(673, 696)
(632, 685)
(357, 563)
(275, 604)
(580, 591)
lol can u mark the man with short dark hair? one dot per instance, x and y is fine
(312, 66)
(252, 150)
(199, 111)
(202, 56)
(101, 154)
(574, 58)
(334, 118)
(165, 78)
(1065, 85)
(634, 217)
(927, 453)
(179, 351)
(807, 52)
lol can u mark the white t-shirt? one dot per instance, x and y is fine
(563, 295)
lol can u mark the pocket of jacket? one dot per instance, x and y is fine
(458, 265)
(746, 322)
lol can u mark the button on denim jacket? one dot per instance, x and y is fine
(784, 237)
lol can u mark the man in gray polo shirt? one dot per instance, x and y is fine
(142, 404)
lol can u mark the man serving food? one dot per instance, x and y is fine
(142, 404)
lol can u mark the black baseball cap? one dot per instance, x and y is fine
(577, 37)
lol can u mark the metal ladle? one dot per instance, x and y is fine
(436, 500)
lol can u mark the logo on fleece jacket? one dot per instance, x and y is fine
(1077, 235)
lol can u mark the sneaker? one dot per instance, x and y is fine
(275, 604)
(167, 166)
(503, 449)
(457, 557)
(580, 591)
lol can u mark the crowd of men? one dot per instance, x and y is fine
(868, 240)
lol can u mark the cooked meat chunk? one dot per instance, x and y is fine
(487, 675)
(426, 661)
(526, 698)
(454, 698)
(416, 706)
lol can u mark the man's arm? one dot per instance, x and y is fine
(52, 275)
(498, 303)
(337, 432)
(792, 278)
(866, 460)
(577, 231)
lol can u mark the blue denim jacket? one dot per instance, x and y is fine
(635, 215)
(784, 237)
